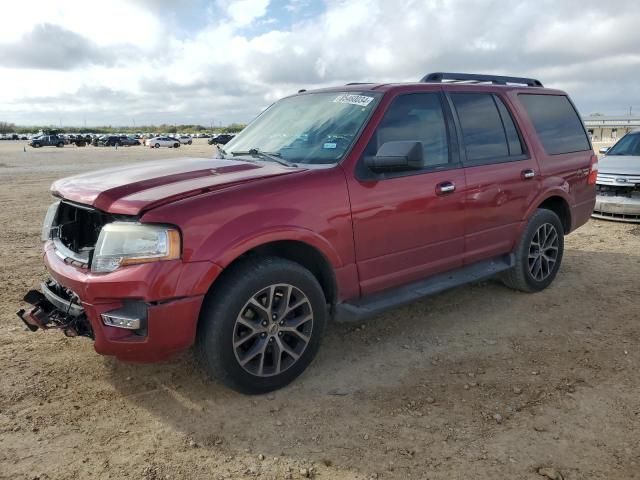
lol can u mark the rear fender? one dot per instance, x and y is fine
(557, 191)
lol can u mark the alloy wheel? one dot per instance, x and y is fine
(272, 330)
(543, 251)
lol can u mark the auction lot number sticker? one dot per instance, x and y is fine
(360, 100)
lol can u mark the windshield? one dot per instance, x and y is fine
(628, 145)
(315, 128)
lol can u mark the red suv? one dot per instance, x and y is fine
(341, 202)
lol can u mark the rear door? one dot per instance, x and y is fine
(409, 224)
(502, 177)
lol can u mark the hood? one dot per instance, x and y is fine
(132, 189)
(619, 164)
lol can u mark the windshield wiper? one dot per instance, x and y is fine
(272, 157)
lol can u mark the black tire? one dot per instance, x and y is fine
(176, 145)
(60, 145)
(225, 303)
(190, 142)
(36, 145)
(157, 145)
(521, 277)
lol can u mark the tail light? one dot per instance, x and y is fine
(593, 170)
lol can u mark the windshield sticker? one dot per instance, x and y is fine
(360, 100)
(330, 145)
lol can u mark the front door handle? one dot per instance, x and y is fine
(445, 187)
(528, 174)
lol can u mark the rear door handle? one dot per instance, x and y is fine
(528, 174)
(445, 187)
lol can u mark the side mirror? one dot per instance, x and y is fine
(604, 149)
(406, 154)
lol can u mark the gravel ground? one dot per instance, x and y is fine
(478, 382)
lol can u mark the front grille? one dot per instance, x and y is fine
(618, 180)
(613, 185)
(76, 229)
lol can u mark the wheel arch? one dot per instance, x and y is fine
(306, 252)
(558, 202)
(560, 207)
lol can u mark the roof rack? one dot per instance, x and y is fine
(447, 77)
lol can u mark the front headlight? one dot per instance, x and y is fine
(126, 243)
(48, 221)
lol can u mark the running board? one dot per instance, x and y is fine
(381, 302)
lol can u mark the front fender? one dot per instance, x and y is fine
(233, 248)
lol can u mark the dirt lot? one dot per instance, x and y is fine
(478, 382)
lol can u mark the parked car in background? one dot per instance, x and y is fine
(117, 141)
(342, 202)
(221, 139)
(163, 141)
(185, 139)
(47, 141)
(618, 183)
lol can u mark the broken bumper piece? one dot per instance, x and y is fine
(55, 307)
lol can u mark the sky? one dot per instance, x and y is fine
(127, 63)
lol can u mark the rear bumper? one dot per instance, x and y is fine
(166, 295)
(624, 209)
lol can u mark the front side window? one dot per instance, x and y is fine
(556, 122)
(314, 128)
(488, 131)
(415, 117)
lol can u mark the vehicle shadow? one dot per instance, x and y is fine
(362, 366)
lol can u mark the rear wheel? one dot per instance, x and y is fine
(262, 325)
(538, 254)
(176, 145)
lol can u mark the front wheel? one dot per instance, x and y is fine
(262, 325)
(157, 145)
(538, 254)
(60, 145)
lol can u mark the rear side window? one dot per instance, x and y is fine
(488, 131)
(556, 122)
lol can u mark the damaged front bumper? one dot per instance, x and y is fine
(55, 307)
(141, 313)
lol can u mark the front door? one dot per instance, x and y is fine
(409, 224)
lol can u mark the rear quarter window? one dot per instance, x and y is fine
(556, 122)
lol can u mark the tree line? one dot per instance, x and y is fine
(7, 127)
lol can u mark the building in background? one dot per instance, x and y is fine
(610, 128)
